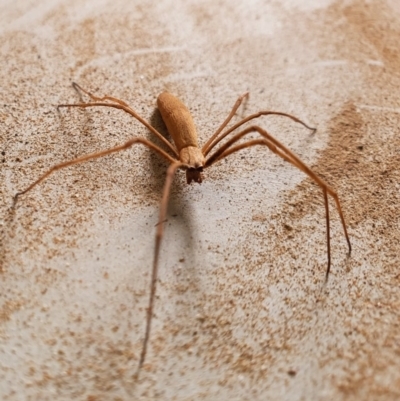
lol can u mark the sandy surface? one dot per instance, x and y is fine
(241, 310)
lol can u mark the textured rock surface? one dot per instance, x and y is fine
(241, 310)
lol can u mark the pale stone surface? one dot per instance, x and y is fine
(241, 310)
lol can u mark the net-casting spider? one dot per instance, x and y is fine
(187, 155)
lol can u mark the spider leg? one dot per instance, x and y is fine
(159, 234)
(276, 147)
(79, 89)
(96, 155)
(121, 105)
(205, 149)
(212, 143)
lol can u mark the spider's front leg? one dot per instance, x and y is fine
(279, 149)
(159, 235)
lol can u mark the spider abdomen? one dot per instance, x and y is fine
(178, 120)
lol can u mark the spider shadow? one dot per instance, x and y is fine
(179, 219)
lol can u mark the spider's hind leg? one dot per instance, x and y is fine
(79, 89)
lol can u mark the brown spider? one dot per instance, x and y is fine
(188, 156)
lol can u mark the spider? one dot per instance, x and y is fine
(188, 156)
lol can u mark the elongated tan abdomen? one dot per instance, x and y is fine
(178, 120)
